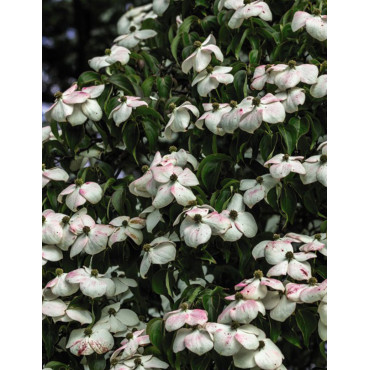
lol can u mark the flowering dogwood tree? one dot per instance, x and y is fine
(184, 193)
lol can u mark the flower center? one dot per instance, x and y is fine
(88, 331)
(58, 95)
(184, 306)
(276, 236)
(146, 247)
(94, 272)
(233, 103)
(58, 271)
(312, 281)
(292, 63)
(65, 220)
(239, 296)
(123, 99)
(323, 158)
(259, 179)
(261, 344)
(256, 102)
(43, 219)
(86, 229)
(258, 274)
(286, 157)
(289, 255)
(172, 107)
(234, 325)
(233, 214)
(197, 218)
(79, 182)
(172, 149)
(268, 66)
(112, 311)
(137, 361)
(43, 167)
(107, 51)
(129, 336)
(209, 69)
(173, 177)
(192, 203)
(316, 11)
(132, 28)
(318, 236)
(197, 44)
(215, 106)
(144, 168)
(124, 223)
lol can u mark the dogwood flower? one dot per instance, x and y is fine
(312, 243)
(281, 165)
(323, 147)
(139, 362)
(78, 193)
(316, 24)
(55, 174)
(134, 17)
(177, 319)
(212, 117)
(46, 134)
(230, 121)
(121, 282)
(307, 293)
(92, 237)
(60, 311)
(160, 6)
(114, 54)
(230, 339)
(51, 253)
(197, 341)
(174, 185)
(268, 109)
(64, 104)
(230, 4)
(256, 190)
(280, 254)
(316, 170)
(245, 11)
(242, 223)
(262, 74)
(319, 89)
(291, 99)
(241, 310)
(52, 231)
(152, 216)
(116, 319)
(159, 252)
(90, 340)
(134, 37)
(126, 227)
(259, 250)
(179, 158)
(266, 356)
(179, 118)
(280, 306)
(59, 286)
(256, 287)
(211, 77)
(89, 108)
(322, 311)
(131, 344)
(199, 225)
(289, 76)
(70, 229)
(122, 111)
(92, 284)
(201, 57)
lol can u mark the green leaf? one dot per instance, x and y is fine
(122, 82)
(155, 331)
(322, 349)
(275, 330)
(174, 46)
(292, 338)
(200, 362)
(51, 193)
(289, 134)
(147, 85)
(131, 137)
(56, 365)
(240, 78)
(307, 324)
(117, 201)
(152, 133)
(254, 57)
(310, 203)
(159, 282)
(88, 78)
(288, 203)
(301, 126)
(164, 86)
(73, 135)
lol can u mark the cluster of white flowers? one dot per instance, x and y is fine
(171, 179)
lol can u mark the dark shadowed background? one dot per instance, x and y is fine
(73, 32)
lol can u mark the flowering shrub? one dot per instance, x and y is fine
(184, 193)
